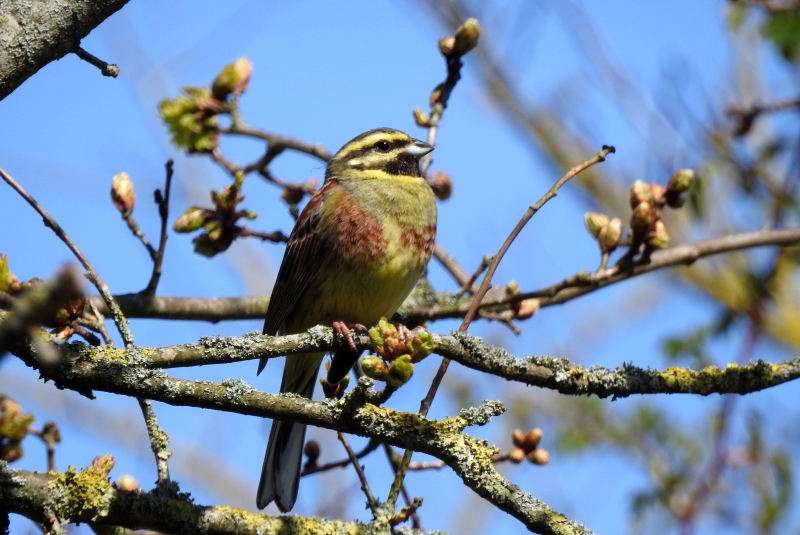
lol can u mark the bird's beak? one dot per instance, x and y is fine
(418, 149)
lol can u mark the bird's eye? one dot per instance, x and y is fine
(382, 146)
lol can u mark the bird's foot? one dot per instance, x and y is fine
(344, 329)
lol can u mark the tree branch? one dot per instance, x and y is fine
(65, 494)
(470, 458)
(446, 305)
(35, 33)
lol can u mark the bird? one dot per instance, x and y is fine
(356, 251)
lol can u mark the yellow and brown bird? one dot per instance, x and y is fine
(355, 253)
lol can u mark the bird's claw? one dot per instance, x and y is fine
(344, 329)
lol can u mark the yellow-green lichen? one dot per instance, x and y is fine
(81, 496)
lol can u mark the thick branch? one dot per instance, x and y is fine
(470, 458)
(32, 34)
(446, 305)
(88, 497)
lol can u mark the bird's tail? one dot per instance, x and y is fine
(280, 475)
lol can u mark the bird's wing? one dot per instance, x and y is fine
(303, 256)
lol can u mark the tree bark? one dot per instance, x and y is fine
(35, 32)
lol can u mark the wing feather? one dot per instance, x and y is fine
(303, 256)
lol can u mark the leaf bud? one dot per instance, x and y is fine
(11, 451)
(127, 482)
(595, 222)
(122, 193)
(642, 220)
(446, 45)
(539, 456)
(8, 281)
(400, 371)
(420, 345)
(657, 192)
(192, 219)
(527, 308)
(374, 367)
(512, 288)
(293, 194)
(441, 184)
(518, 437)
(436, 94)
(103, 464)
(532, 439)
(233, 78)
(610, 235)
(640, 193)
(517, 455)
(677, 186)
(421, 118)
(466, 37)
(312, 450)
(659, 237)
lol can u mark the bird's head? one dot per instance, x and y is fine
(379, 153)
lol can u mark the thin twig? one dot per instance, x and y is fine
(469, 285)
(91, 274)
(137, 231)
(163, 212)
(159, 441)
(90, 337)
(487, 279)
(50, 435)
(101, 324)
(107, 69)
(373, 504)
(276, 236)
(309, 469)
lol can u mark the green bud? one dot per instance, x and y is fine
(122, 193)
(642, 220)
(659, 238)
(595, 222)
(103, 464)
(374, 367)
(677, 186)
(640, 192)
(8, 281)
(233, 78)
(436, 94)
(400, 371)
(14, 423)
(420, 346)
(609, 235)
(421, 118)
(657, 193)
(466, 37)
(446, 45)
(192, 219)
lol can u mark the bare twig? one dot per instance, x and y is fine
(487, 279)
(275, 236)
(163, 212)
(469, 285)
(107, 69)
(309, 469)
(137, 231)
(50, 435)
(746, 116)
(91, 274)
(371, 502)
(278, 142)
(159, 441)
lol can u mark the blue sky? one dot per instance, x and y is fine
(324, 72)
